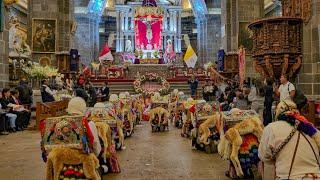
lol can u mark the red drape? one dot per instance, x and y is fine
(141, 31)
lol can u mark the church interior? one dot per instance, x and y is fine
(159, 89)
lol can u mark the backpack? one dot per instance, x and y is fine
(299, 98)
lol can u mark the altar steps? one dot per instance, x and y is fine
(117, 87)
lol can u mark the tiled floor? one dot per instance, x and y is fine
(149, 156)
(166, 156)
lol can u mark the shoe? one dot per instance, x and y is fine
(13, 130)
(18, 129)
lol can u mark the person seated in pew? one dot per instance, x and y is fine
(12, 109)
(47, 94)
(3, 123)
(19, 107)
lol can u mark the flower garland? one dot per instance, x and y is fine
(165, 86)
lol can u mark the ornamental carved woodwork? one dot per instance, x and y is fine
(297, 8)
(277, 46)
(231, 62)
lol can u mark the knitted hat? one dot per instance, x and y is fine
(77, 106)
(113, 98)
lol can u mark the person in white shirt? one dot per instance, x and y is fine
(286, 90)
(292, 157)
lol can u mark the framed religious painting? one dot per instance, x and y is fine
(44, 35)
(244, 37)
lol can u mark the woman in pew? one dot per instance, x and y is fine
(14, 99)
(12, 109)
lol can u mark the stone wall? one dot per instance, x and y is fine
(62, 10)
(86, 39)
(309, 78)
(234, 15)
(4, 51)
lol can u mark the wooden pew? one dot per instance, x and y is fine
(51, 109)
(310, 113)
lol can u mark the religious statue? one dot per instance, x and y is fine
(169, 54)
(149, 21)
(111, 39)
(17, 39)
(128, 46)
(186, 40)
(149, 32)
(242, 64)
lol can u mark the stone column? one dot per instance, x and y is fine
(87, 37)
(179, 32)
(4, 50)
(174, 30)
(126, 19)
(309, 78)
(118, 32)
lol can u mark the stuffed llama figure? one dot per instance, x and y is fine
(231, 140)
(60, 156)
(204, 128)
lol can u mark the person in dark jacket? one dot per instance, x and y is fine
(5, 103)
(47, 94)
(80, 92)
(193, 84)
(14, 99)
(268, 100)
(105, 92)
(25, 92)
(92, 94)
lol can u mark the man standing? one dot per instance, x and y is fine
(286, 90)
(25, 92)
(193, 83)
(105, 92)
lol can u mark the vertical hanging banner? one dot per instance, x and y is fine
(242, 64)
(1, 16)
(190, 57)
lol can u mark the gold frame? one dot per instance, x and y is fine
(56, 34)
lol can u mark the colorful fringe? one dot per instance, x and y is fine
(113, 160)
(248, 154)
(304, 125)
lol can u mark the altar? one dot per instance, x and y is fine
(148, 33)
(160, 69)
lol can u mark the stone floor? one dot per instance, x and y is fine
(148, 156)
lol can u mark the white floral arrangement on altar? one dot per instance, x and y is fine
(38, 71)
(137, 84)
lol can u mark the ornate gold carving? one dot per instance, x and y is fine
(276, 41)
(269, 66)
(297, 8)
(259, 68)
(148, 11)
(295, 66)
(285, 64)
